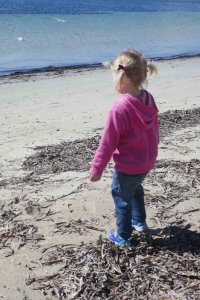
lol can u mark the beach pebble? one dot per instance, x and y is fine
(29, 209)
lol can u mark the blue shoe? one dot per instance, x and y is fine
(114, 237)
(140, 226)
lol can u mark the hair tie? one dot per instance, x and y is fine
(120, 67)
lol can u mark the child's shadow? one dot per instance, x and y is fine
(176, 239)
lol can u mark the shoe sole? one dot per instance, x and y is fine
(122, 245)
(141, 229)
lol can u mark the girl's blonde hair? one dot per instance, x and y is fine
(134, 65)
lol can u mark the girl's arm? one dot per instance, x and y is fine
(108, 144)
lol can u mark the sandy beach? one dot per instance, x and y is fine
(43, 206)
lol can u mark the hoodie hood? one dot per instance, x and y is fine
(143, 109)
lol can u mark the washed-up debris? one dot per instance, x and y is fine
(76, 155)
(176, 179)
(9, 215)
(47, 215)
(178, 119)
(20, 232)
(14, 231)
(31, 178)
(78, 226)
(164, 265)
(175, 182)
(67, 156)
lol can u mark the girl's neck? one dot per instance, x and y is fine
(133, 91)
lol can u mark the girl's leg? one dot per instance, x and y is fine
(123, 210)
(138, 207)
(123, 191)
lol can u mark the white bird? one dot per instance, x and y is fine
(20, 39)
(60, 20)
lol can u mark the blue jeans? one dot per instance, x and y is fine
(128, 196)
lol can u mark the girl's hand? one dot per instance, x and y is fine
(94, 178)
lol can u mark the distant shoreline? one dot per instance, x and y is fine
(61, 69)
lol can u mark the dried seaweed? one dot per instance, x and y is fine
(76, 155)
(185, 179)
(31, 178)
(167, 264)
(18, 231)
(67, 156)
(178, 119)
(177, 181)
(78, 226)
(9, 215)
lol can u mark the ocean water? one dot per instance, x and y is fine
(40, 33)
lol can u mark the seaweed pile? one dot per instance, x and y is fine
(76, 155)
(178, 119)
(63, 157)
(161, 266)
(177, 181)
(17, 231)
(80, 226)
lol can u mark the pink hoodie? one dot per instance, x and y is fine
(130, 136)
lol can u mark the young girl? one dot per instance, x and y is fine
(131, 137)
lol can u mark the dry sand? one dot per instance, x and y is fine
(44, 109)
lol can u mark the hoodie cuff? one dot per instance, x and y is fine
(95, 171)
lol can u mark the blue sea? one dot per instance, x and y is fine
(42, 33)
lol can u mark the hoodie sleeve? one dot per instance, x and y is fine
(109, 141)
(157, 129)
